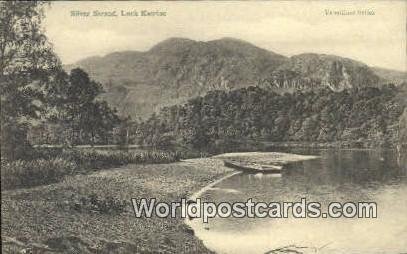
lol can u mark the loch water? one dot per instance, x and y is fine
(378, 176)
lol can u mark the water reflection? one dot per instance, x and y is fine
(339, 175)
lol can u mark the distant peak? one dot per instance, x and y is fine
(121, 53)
(172, 43)
(178, 39)
(243, 46)
(230, 40)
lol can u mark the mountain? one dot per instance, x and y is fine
(177, 69)
(138, 83)
(308, 71)
(392, 76)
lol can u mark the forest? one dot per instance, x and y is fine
(358, 117)
(224, 120)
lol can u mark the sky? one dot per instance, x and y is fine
(341, 28)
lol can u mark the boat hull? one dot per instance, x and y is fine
(250, 169)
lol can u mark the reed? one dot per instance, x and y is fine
(51, 166)
(22, 173)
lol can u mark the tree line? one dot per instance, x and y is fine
(360, 116)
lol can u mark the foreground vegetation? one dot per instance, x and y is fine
(92, 213)
(51, 165)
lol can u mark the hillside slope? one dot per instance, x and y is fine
(178, 69)
(392, 76)
(309, 70)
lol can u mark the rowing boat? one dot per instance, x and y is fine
(253, 167)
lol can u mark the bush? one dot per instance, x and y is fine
(13, 139)
(50, 165)
(30, 173)
(94, 203)
(102, 159)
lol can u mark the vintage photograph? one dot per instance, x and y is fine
(230, 127)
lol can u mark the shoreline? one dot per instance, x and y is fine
(343, 145)
(199, 193)
(33, 220)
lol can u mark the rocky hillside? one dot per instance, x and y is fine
(307, 71)
(392, 76)
(177, 69)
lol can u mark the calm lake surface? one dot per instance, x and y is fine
(337, 175)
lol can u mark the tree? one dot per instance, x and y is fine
(75, 106)
(97, 121)
(26, 66)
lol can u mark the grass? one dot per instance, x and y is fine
(51, 165)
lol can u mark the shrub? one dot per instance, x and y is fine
(50, 165)
(103, 159)
(30, 173)
(94, 203)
